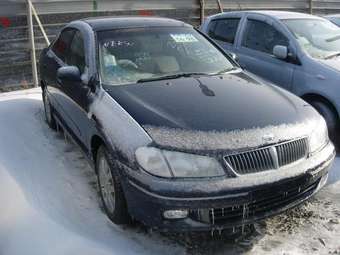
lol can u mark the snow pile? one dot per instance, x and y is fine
(47, 203)
(313, 228)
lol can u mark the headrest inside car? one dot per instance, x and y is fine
(167, 64)
(109, 60)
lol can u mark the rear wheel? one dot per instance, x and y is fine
(331, 119)
(48, 111)
(110, 188)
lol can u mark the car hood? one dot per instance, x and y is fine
(334, 63)
(215, 104)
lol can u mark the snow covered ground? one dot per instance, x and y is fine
(49, 203)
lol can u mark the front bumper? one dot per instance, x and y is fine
(216, 203)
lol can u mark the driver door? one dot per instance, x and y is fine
(76, 94)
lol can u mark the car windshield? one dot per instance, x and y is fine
(319, 38)
(144, 54)
(336, 20)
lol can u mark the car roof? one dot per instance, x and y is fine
(332, 16)
(106, 23)
(276, 14)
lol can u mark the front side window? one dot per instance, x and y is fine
(62, 44)
(224, 29)
(130, 55)
(262, 37)
(76, 56)
(318, 38)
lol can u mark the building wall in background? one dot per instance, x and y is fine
(15, 69)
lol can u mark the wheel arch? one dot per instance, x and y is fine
(96, 142)
(317, 97)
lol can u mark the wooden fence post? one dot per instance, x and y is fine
(311, 6)
(32, 44)
(202, 6)
(220, 7)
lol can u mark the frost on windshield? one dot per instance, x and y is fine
(228, 140)
(317, 37)
(143, 53)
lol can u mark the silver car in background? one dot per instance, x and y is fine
(296, 51)
(334, 18)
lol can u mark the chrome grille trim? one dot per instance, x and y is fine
(267, 158)
(292, 151)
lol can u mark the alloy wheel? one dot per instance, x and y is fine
(48, 111)
(106, 183)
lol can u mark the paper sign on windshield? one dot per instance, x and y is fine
(183, 38)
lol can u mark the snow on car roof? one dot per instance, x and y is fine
(104, 23)
(287, 15)
(332, 15)
(275, 14)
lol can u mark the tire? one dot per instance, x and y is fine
(48, 109)
(110, 188)
(331, 119)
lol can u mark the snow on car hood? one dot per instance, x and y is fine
(333, 63)
(229, 140)
(229, 112)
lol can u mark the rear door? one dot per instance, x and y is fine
(255, 50)
(224, 31)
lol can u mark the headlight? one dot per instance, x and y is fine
(177, 164)
(319, 136)
(153, 161)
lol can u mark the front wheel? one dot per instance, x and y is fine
(110, 188)
(48, 111)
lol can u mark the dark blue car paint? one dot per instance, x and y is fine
(183, 103)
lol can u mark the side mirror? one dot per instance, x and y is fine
(68, 74)
(280, 51)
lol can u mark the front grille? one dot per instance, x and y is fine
(290, 152)
(268, 158)
(263, 202)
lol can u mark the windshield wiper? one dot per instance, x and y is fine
(333, 55)
(225, 71)
(332, 39)
(171, 76)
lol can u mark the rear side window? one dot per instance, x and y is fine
(76, 56)
(224, 29)
(62, 44)
(262, 37)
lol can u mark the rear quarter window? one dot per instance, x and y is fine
(224, 29)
